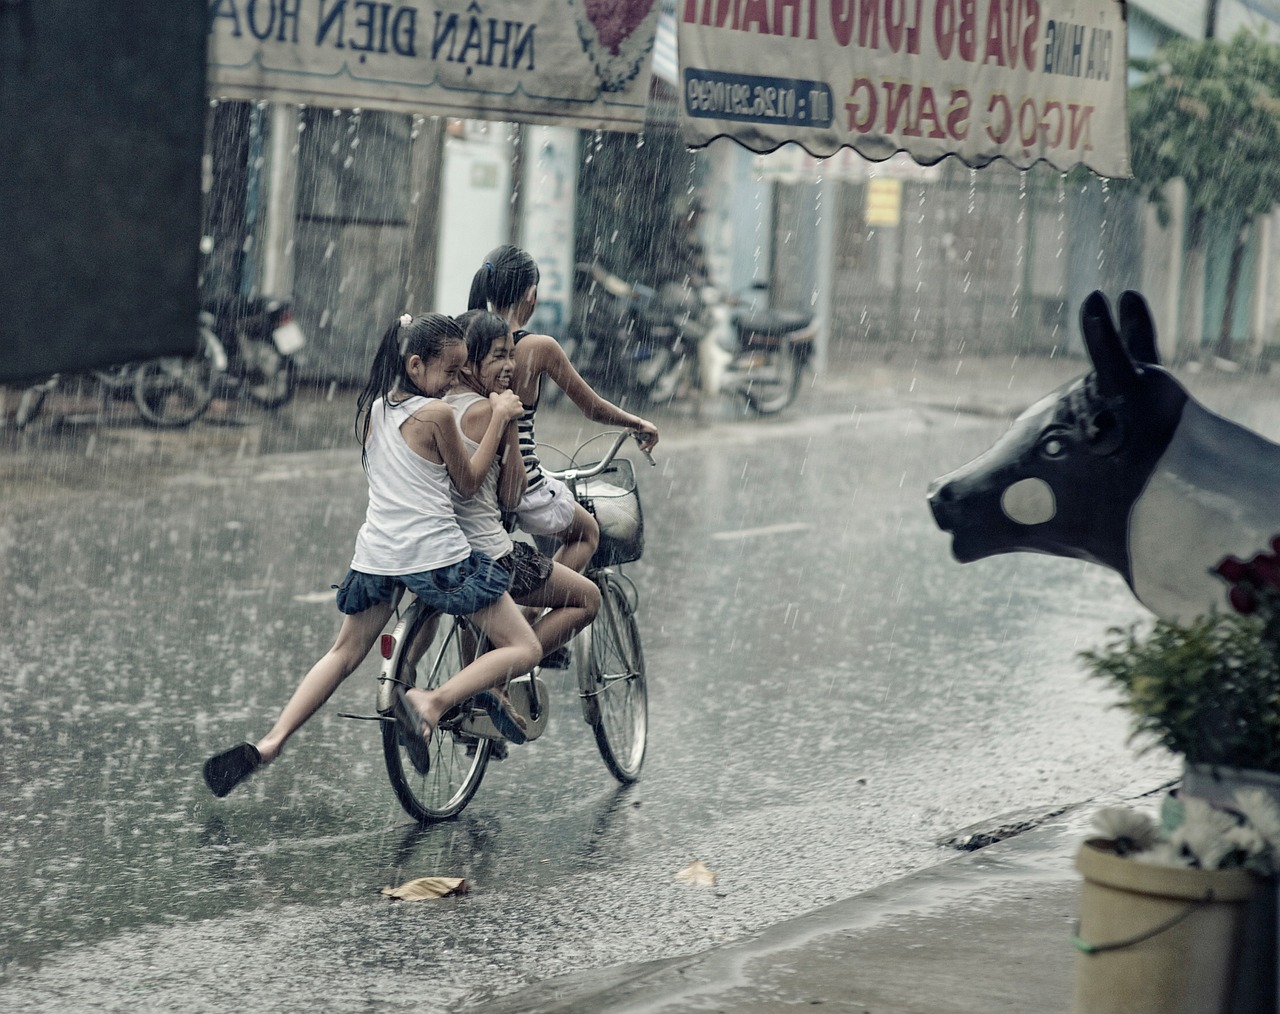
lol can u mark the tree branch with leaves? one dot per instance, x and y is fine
(1208, 112)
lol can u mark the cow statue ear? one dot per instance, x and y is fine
(1115, 370)
(1137, 328)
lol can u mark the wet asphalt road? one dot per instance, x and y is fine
(830, 695)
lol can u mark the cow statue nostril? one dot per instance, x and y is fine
(1029, 502)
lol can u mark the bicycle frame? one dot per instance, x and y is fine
(527, 693)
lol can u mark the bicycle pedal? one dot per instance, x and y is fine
(520, 692)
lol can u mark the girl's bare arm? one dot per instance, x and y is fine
(542, 354)
(433, 433)
(512, 479)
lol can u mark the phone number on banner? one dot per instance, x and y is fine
(713, 95)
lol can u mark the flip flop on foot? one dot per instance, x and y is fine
(503, 716)
(412, 738)
(224, 771)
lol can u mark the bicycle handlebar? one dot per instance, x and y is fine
(572, 475)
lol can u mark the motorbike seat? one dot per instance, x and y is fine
(772, 323)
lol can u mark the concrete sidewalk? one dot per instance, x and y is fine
(987, 931)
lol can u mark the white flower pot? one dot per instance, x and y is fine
(1157, 939)
(1259, 985)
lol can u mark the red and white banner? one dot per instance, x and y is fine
(580, 63)
(981, 79)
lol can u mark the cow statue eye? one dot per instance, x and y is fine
(1053, 446)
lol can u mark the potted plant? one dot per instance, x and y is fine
(1209, 690)
(1172, 916)
(1170, 919)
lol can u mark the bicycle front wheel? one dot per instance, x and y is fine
(613, 687)
(772, 385)
(434, 648)
(174, 390)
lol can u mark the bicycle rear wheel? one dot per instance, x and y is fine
(433, 648)
(612, 683)
(175, 390)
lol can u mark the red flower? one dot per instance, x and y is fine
(1266, 569)
(1233, 570)
(1243, 600)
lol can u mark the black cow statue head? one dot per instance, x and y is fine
(1123, 468)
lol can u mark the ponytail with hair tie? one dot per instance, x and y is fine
(504, 277)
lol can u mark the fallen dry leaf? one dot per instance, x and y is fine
(425, 888)
(697, 874)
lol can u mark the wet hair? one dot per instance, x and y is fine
(503, 279)
(481, 329)
(425, 336)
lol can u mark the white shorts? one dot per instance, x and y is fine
(547, 510)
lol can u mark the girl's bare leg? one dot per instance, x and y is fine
(578, 541)
(355, 639)
(516, 649)
(572, 602)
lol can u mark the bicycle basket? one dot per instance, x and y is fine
(613, 499)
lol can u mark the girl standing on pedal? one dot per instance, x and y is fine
(413, 455)
(507, 284)
(536, 580)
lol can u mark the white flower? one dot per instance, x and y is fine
(1161, 854)
(405, 320)
(1245, 838)
(1260, 810)
(1135, 831)
(1204, 833)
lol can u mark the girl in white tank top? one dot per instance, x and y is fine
(413, 455)
(570, 599)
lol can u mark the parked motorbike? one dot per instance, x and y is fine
(654, 344)
(609, 339)
(261, 340)
(750, 351)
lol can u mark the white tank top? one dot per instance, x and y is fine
(479, 516)
(409, 525)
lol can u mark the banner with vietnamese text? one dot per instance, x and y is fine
(981, 79)
(580, 63)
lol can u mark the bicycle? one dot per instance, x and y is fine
(168, 392)
(425, 649)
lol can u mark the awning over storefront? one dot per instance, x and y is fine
(580, 63)
(1023, 80)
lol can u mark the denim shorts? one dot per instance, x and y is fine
(460, 589)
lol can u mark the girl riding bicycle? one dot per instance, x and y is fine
(413, 453)
(536, 580)
(507, 284)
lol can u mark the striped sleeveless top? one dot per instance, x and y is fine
(528, 441)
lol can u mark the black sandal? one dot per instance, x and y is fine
(224, 771)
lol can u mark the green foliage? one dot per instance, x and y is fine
(1208, 112)
(1209, 690)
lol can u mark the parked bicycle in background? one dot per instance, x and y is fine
(169, 391)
